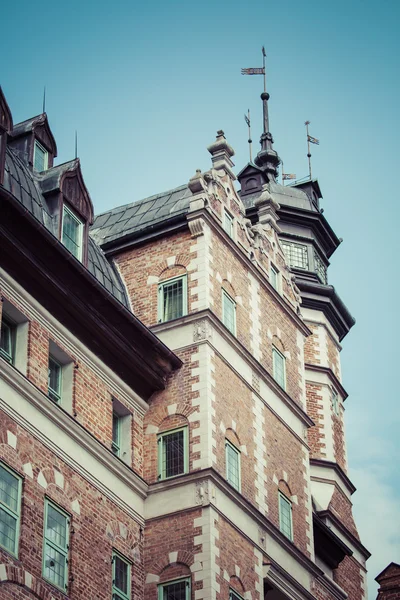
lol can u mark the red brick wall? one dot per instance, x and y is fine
(341, 506)
(348, 576)
(338, 440)
(312, 354)
(315, 435)
(94, 533)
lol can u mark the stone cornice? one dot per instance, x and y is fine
(246, 355)
(319, 462)
(78, 435)
(327, 514)
(334, 380)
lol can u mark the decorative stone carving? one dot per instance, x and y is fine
(201, 331)
(196, 227)
(202, 493)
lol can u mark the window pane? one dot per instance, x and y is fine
(121, 575)
(54, 566)
(54, 380)
(228, 224)
(172, 300)
(71, 236)
(6, 341)
(56, 527)
(175, 591)
(229, 308)
(296, 254)
(232, 466)
(274, 278)
(8, 531)
(173, 456)
(39, 158)
(285, 517)
(320, 268)
(279, 368)
(9, 485)
(116, 434)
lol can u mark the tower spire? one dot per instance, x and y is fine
(267, 159)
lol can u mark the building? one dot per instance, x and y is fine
(389, 582)
(170, 393)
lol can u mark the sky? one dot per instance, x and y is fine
(147, 85)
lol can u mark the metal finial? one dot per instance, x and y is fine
(311, 140)
(44, 100)
(76, 144)
(247, 119)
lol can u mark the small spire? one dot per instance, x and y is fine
(267, 159)
(44, 100)
(247, 119)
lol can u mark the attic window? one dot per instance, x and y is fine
(40, 157)
(72, 232)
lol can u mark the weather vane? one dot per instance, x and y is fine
(286, 176)
(311, 140)
(247, 119)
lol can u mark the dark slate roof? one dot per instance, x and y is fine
(285, 195)
(27, 126)
(25, 187)
(138, 216)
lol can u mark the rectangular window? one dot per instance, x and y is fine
(172, 453)
(10, 509)
(54, 380)
(320, 268)
(234, 595)
(228, 224)
(116, 434)
(40, 157)
(285, 516)
(279, 368)
(172, 299)
(274, 278)
(7, 340)
(232, 457)
(296, 254)
(335, 402)
(175, 590)
(72, 232)
(121, 577)
(229, 312)
(56, 544)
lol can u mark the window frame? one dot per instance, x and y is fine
(225, 295)
(160, 299)
(10, 358)
(228, 223)
(14, 514)
(160, 450)
(275, 281)
(162, 586)
(237, 452)
(117, 592)
(289, 504)
(335, 402)
(233, 595)
(54, 395)
(48, 542)
(81, 225)
(305, 250)
(116, 443)
(277, 353)
(46, 156)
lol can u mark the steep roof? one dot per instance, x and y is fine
(24, 185)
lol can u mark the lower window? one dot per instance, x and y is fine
(10, 509)
(56, 545)
(172, 453)
(121, 577)
(234, 595)
(175, 590)
(285, 516)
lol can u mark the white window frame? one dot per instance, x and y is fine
(47, 542)
(283, 498)
(71, 213)
(335, 401)
(55, 395)
(16, 515)
(116, 434)
(12, 327)
(228, 223)
(20, 328)
(237, 452)
(234, 595)
(275, 355)
(117, 593)
(161, 452)
(162, 586)
(225, 295)
(160, 304)
(46, 156)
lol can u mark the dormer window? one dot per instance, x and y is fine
(72, 232)
(40, 157)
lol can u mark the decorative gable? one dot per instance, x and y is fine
(76, 194)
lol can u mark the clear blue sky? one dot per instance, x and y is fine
(147, 86)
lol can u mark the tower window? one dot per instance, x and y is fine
(172, 299)
(172, 453)
(72, 233)
(296, 254)
(279, 367)
(229, 312)
(7, 340)
(10, 509)
(40, 157)
(285, 516)
(335, 402)
(55, 380)
(232, 457)
(121, 578)
(320, 268)
(175, 590)
(56, 544)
